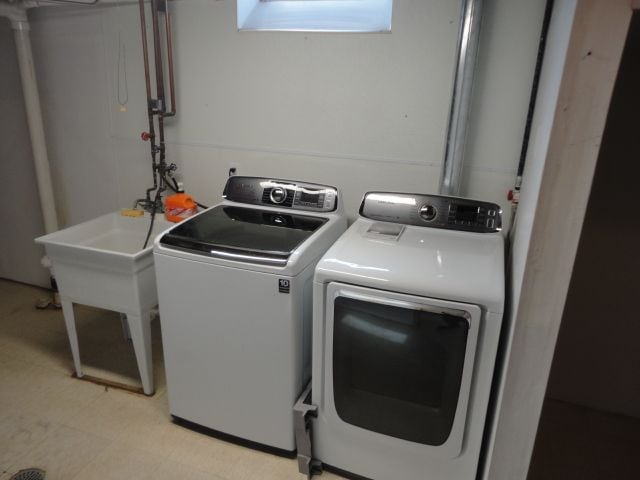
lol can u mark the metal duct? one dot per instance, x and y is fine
(468, 39)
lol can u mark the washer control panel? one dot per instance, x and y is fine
(281, 193)
(436, 211)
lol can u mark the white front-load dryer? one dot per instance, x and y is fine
(235, 298)
(408, 308)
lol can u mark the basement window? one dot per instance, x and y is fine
(315, 15)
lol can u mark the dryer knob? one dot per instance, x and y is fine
(428, 212)
(278, 195)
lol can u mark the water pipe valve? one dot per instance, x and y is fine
(145, 136)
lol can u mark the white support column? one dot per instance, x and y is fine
(21, 29)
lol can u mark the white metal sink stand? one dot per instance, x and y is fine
(101, 263)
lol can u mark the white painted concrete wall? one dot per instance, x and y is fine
(360, 111)
(20, 214)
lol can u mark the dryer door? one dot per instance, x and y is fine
(399, 365)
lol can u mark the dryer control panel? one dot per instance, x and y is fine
(281, 193)
(436, 211)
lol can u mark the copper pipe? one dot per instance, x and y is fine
(145, 49)
(147, 77)
(158, 107)
(172, 90)
(75, 2)
(161, 102)
(157, 49)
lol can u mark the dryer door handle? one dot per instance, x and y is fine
(403, 304)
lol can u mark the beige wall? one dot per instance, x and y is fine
(597, 358)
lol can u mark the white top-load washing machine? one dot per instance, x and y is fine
(408, 307)
(235, 298)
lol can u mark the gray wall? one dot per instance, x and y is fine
(597, 358)
(20, 214)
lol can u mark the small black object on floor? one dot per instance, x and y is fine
(30, 474)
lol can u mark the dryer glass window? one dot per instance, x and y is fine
(397, 371)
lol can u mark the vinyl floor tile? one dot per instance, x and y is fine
(17, 296)
(35, 346)
(62, 453)
(170, 470)
(77, 430)
(130, 418)
(18, 434)
(43, 393)
(119, 461)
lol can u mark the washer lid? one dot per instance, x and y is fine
(243, 234)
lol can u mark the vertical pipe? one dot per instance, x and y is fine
(162, 104)
(147, 78)
(468, 39)
(36, 127)
(157, 107)
(172, 90)
(145, 49)
(157, 50)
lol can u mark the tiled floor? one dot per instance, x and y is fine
(74, 429)
(579, 443)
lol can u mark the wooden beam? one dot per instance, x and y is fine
(110, 384)
(555, 214)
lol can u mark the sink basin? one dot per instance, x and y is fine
(102, 263)
(112, 243)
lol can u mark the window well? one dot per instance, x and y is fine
(315, 15)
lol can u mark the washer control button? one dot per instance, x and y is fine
(278, 195)
(428, 212)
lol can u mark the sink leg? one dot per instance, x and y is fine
(140, 328)
(125, 326)
(70, 320)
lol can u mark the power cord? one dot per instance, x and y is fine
(153, 217)
(174, 187)
(154, 207)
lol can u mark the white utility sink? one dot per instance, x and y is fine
(101, 263)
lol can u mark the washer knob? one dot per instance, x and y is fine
(428, 212)
(278, 195)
